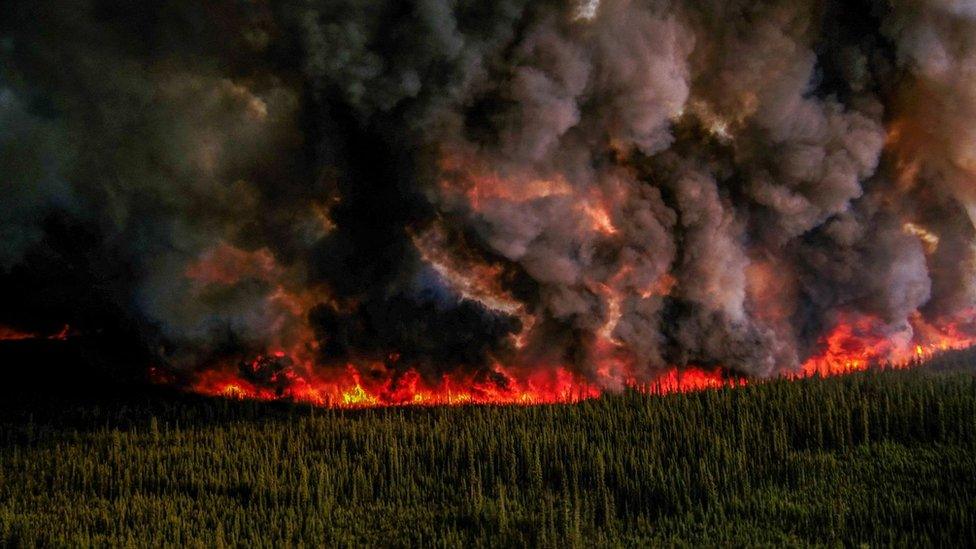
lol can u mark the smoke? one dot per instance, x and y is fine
(618, 187)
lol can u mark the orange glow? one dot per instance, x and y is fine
(691, 379)
(286, 304)
(474, 179)
(853, 345)
(904, 138)
(490, 187)
(469, 277)
(599, 218)
(12, 334)
(857, 344)
(290, 371)
(350, 388)
(478, 185)
(226, 264)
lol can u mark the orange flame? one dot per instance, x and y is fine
(351, 388)
(853, 345)
(858, 344)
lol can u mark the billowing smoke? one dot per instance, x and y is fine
(616, 187)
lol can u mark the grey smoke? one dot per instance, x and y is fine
(676, 183)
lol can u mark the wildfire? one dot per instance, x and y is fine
(290, 371)
(853, 345)
(351, 388)
(858, 344)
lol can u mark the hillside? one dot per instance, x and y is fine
(876, 457)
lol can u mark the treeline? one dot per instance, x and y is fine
(878, 458)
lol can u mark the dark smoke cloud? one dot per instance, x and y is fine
(646, 183)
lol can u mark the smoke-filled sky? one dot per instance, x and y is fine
(618, 187)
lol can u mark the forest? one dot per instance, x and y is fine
(875, 457)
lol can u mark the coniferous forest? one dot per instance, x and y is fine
(880, 457)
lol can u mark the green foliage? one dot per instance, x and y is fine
(876, 458)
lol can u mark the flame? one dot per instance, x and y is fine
(290, 370)
(692, 379)
(371, 387)
(855, 344)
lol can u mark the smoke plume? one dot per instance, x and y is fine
(615, 187)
